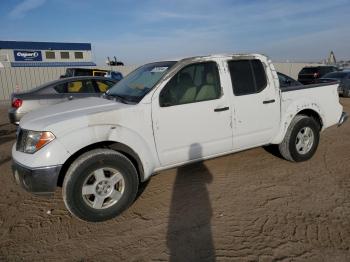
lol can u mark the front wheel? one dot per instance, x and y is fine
(99, 185)
(301, 140)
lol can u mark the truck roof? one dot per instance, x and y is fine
(205, 57)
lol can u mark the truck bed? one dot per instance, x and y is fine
(323, 98)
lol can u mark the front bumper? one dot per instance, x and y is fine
(343, 118)
(14, 116)
(41, 181)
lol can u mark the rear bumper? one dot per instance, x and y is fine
(14, 116)
(343, 118)
(41, 181)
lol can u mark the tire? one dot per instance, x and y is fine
(295, 149)
(99, 185)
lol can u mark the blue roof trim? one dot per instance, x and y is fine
(51, 64)
(44, 45)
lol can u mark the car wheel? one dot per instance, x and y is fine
(301, 140)
(99, 185)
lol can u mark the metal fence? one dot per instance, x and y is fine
(24, 78)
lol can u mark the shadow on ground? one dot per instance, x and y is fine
(189, 236)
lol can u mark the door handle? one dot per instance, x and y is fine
(269, 101)
(221, 109)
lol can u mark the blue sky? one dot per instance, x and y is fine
(141, 31)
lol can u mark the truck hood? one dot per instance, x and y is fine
(70, 115)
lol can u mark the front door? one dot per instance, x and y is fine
(191, 116)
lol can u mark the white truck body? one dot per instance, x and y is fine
(164, 137)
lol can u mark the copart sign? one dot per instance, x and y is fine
(24, 55)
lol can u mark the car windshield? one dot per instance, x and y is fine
(138, 83)
(336, 75)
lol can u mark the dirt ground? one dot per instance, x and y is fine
(249, 206)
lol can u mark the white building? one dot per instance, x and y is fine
(45, 54)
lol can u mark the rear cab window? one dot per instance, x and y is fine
(248, 76)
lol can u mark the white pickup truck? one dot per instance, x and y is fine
(163, 115)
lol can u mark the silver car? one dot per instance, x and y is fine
(56, 92)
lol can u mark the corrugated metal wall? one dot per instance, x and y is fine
(24, 78)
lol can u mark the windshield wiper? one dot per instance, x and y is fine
(115, 97)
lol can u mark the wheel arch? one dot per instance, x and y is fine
(312, 111)
(119, 147)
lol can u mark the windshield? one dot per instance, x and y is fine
(336, 75)
(138, 83)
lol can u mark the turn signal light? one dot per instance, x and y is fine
(46, 137)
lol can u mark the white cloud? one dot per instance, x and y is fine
(20, 10)
(311, 46)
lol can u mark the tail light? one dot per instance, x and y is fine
(16, 102)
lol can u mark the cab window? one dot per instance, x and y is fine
(103, 86)
(247, 76)
(194, 83)
(81, 86)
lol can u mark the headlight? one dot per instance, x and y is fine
(36, 140)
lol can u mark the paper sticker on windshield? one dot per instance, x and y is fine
(159, 69)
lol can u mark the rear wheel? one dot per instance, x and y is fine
(99, 185)
(301, 140)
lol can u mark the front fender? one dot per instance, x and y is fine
(144, 148)
(81, 138)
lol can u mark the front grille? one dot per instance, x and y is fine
(21, 139)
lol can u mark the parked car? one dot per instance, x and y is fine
(344, 81)
(286, 81)
(71, 72)
(309, 75)
(164, 115)
(56, 92)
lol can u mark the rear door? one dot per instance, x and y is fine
(256, 103)
(70, 90)
(191, 115)
(53, 95)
